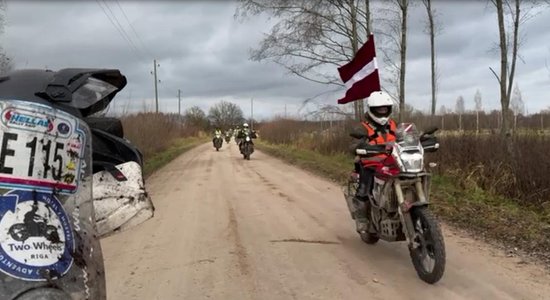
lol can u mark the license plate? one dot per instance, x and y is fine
(40, 148)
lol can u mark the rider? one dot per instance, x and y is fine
(380, 129)
(217, 133)
(244, 132)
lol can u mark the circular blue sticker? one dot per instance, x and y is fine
(35, 236)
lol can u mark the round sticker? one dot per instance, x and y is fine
(35, 236)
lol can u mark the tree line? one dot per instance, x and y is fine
(313, 35)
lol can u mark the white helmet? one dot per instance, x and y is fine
(375, 101)
(245, 125)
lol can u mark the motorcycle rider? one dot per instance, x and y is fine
(243, 133)
(217, 134)
(380, 129)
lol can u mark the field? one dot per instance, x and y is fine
(478, 185)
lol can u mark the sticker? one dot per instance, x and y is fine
(35, 236)
(40, 148)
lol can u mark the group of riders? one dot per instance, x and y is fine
(238, 133)
(392, 208)
(379, 129)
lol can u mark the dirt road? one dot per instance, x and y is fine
(226, 228)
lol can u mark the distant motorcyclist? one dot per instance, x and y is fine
(244, 133)
(217, 135)
(380, 129)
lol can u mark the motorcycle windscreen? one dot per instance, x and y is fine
(48, 242)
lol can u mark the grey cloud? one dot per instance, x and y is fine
(204, 51)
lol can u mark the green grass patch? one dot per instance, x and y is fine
(160, 159)
(488, 216)
(335, 167)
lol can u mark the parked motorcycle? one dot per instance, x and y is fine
(49, 241)
(217, 141)
(398, 206)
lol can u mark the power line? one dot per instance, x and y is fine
(133, 29)
(119, 31)
(121, 27)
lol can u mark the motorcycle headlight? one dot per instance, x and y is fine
(412, 162)
(247, 139)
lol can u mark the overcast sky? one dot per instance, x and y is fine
(203, 51)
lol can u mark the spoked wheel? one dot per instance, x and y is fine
(428, 251)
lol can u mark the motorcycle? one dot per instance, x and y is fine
(227, 138)
(48, 233)
(30, 228)
(397, 208)
(247, 146)
(217, 141)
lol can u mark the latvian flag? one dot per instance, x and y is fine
(361, 74)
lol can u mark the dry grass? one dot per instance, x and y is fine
(473, 160)
(154, 133)
(478, 186)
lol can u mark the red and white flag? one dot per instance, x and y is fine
(361, 74)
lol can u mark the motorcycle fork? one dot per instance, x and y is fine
(404, 215)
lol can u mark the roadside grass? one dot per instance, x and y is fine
(485, 215)
(160, 137)
(160, 159)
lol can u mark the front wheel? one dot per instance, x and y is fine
(369, 238)
(19, 232)
(428, 250)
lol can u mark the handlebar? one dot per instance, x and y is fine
(366, 149)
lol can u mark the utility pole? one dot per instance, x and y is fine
(179, 102)
(251, 113)
(156, 89)
(285, 112)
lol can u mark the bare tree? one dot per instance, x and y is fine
(195, 117)
(403, 6)
(311, 35)
(479, 107)
(460, 109)
(225, 115)
(432, 31)
(442, 112)
(393, 30)
(517, 105)
(520, 12)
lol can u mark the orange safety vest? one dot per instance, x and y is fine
(375, 139)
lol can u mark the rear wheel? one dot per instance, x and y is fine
(428, 255)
